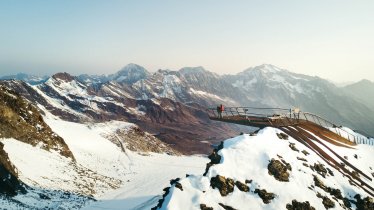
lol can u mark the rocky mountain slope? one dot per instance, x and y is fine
(169, 120)
(70, 140)
(265, 86)
(275, 87)
(19, 119)
(49, 163)
(270, 170)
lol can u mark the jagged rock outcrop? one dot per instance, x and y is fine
(21, 120)
(223, 184)
(205, 207)
(264, 195)
(364, 204)
(241, 186)
(9, 183)
(295, 205)
(279, 170)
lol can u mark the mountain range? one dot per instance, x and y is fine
(66, 141)
(263, 86)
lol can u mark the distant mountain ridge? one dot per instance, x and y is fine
(31, 79)
(362, 91)
(265, 86)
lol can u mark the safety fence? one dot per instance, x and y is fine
(280, 117)
(357, 138)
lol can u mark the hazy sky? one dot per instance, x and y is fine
(333, 39)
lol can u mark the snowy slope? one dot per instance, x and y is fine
(246, 158)
(102, 169)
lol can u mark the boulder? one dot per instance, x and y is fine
(226, 207)
(225, 186)
(277, 169)
(364, 204)
(299, 206)
(204, 207)
(265, 196)
(241, 186)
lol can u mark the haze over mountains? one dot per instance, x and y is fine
(265, 86)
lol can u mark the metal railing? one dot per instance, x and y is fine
(335, 128)
(286, 117)
(247, 111)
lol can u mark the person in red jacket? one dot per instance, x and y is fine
(220, 109)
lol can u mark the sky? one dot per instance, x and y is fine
(333, 39)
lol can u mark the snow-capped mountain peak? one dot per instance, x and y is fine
(63, 76)
(265, 69)
(131, 73)
(189, 70)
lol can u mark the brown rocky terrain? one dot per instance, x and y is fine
(21, 120)
(136, 140)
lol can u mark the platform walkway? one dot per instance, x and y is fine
(280, 117)
(311, 130)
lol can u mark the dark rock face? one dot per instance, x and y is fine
(336, 193)
(293, 147)
(299, 206)
(364, 204)
(319, 183)
(302, 159)
(9, 183)
(179, 186)
(226, 207)
(241, 186)
(305, 152)
(161, 201)
(225, 186)
(288, 166)
(214, 158)
(265, 196)
(63, 76)
(282, 136)
(204, 207)
(20, 120)
(328, 203)
(279, 170)
(320, 168)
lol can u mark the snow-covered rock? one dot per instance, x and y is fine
(242, 179)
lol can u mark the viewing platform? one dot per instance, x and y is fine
(293, 119)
